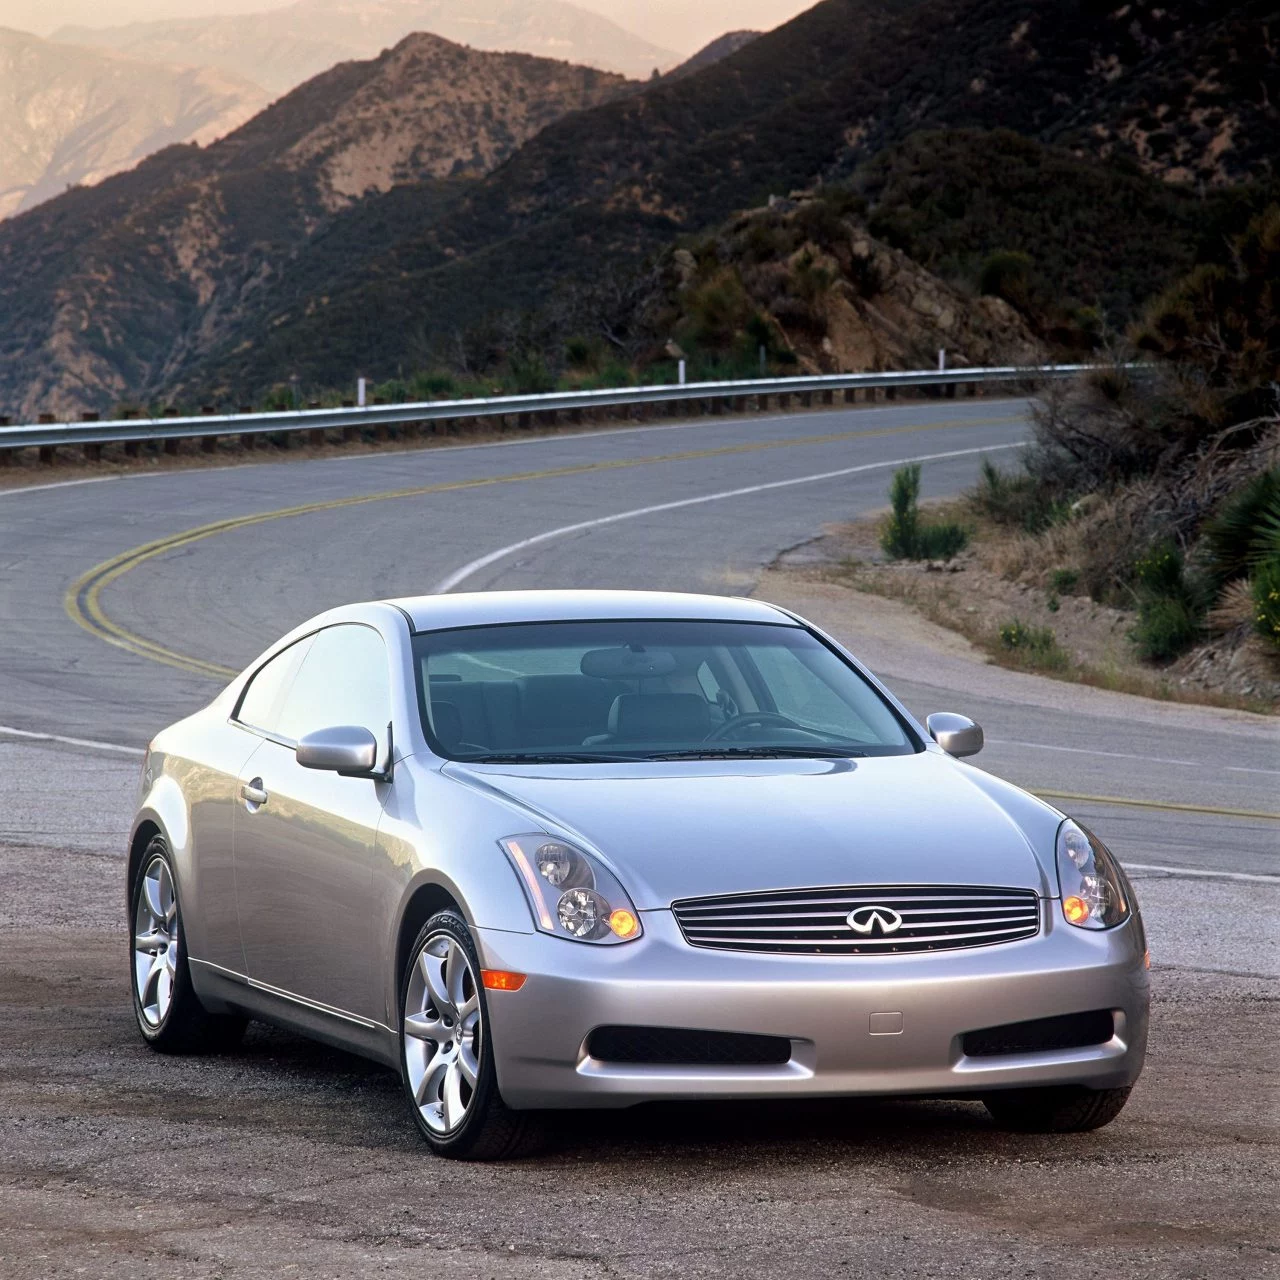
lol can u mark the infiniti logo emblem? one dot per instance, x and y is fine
(882, 920)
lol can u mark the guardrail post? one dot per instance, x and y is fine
(6, 455)
(807, 400)
(890, 393)
(317, 437)
(46, 450)
(951, 391)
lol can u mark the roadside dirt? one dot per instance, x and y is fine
(970, 598)
(285, 1158)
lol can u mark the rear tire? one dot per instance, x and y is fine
(1064, 1109)
(168, 1012)
(446, 1054)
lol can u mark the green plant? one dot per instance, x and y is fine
(1159, 572)
(1063, 581)
(1007, 274)
(901, 532)
(1167, 626)
(1266, 600)
(904, 537)
(1035, 646)
(1015, 499)
(1246, 528)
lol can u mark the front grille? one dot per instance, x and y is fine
(1043, 1035)
(673, 1046)
(816, 921)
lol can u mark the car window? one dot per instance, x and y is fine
(264, 698)
(343, 680)
(805, 686)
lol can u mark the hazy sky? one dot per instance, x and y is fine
(674, 24)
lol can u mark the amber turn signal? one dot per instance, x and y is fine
(624, 924)
(501, 980)
(1075, 909)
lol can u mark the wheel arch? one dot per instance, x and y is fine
(424, 902)
(143, 834)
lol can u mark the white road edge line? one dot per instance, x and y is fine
(27, 736)
(1196, 873)
(1123, 755)
(455, 579)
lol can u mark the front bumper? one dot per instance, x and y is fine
(824, 1005)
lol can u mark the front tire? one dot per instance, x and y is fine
(1064, 1109)
(168, 1012)
(446, 1054)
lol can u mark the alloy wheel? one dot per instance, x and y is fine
(155, 942)
(443, 1031)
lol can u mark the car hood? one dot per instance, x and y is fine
(689, 829)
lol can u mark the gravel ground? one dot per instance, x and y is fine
(285, 1158)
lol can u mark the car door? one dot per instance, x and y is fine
(304, 839)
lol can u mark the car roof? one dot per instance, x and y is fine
(492, 608)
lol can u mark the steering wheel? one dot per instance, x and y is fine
(731, 726)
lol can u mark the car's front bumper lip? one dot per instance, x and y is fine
(823, 1005)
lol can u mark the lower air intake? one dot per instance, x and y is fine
(671, 1046)
(1043, 1035)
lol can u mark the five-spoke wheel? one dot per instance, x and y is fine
(446, 1053)
(168, 1011)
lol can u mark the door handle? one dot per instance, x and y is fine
(253, 793)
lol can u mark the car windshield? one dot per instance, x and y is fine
(582, 692)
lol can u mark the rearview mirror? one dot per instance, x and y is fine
(349, 751)
(957, 735)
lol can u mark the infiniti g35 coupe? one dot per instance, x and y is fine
(552, 850)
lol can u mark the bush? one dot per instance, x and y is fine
(1246, 529)
(1007, 274)
(1167, 626)
(904, 537)
(1063, 581)
(901, 532)
(1266, 599)
(1014, 499)
(1035, 646)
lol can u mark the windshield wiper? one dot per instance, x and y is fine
(763, 753)
(541, 757)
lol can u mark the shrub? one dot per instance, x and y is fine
(1246, 528)
(1063, 581)
(1159, 572)
(1007, 274)
(1035, 646)
(1167, 626)
(904, 537)
(1266, 599)
(1014, 499)
(902, 530)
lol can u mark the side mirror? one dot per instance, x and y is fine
(957, 735)
(349, 751)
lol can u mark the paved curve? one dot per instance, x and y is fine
(194, 572)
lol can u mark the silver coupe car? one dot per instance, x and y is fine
(553, 850)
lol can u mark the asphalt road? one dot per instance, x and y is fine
(285, 1157)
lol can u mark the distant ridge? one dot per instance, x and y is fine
(281, 48)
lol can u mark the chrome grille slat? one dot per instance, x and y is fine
(815, 921)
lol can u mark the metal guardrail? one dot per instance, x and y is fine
(132, 431)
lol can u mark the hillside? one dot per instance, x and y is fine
(106, 292)
(75, 115)
(530, 255)
(719, 49)
(282, 48)
(597, 192)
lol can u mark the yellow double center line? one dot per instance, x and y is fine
(83, 599)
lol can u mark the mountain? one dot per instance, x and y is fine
(106, 292)
(590, 197)
(75, 115)
(547, 243)
(282, 48)
(719, 49)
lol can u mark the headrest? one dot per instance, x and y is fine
(446, 719)
(660, 717)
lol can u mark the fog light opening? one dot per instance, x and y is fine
(502, 980)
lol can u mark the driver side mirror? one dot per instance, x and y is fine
(349, 751)
(957, 735)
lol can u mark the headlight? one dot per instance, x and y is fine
(572, 894)
(1093, 888)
